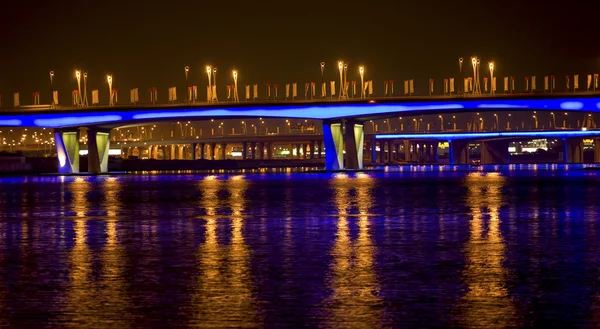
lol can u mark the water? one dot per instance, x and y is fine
(422, 247)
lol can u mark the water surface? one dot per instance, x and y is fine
(410, 247)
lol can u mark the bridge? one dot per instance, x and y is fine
(343, 122)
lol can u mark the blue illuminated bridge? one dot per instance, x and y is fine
(342, 124)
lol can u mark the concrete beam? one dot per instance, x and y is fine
(459, 152)
(495, 152)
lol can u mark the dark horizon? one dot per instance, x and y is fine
(147, 45)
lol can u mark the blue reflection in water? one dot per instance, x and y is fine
(419, 246)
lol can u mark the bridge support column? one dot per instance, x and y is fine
(98, 146)
(573, 150)
(355, 139)
(335, 138)
(253, 150)
(67, 149)
(495, 152)
(434, 152)
(459, 152)
(596, 150)
(334, 145)
(269, 151)
(211, 151)
(180, 152)
(172, 153)
(223, 154)
(194, 151)
(407, 153)
(373, 150)
(201, 151)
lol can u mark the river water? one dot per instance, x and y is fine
(408, 247)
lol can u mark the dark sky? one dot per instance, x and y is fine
(147, 43)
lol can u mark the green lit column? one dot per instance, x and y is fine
(355, 137)
(98, 147)
(67, 150)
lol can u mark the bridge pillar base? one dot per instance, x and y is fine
(98, 147)
(459, 152)
(67, 149)
(355, 137)
(334, 145)
(495, 152)
(573, 150)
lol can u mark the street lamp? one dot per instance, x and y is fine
(361, 70)
(52, 88)
(441, 123)
(245, 132)
(109, 79)
(478, 72)
(235, 89)
(474, 62)
(460, 64)
(78, 76)
(85, 100)
(322, 81)
(553, 124)
(187, 85)
(214, 81)
(345, 79)
(536, 121)
(209, 89)
(341, 67)
(496, 122)
(481, 127)
(491, 65)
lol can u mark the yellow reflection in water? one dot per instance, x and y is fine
(80, 296)
(487, 303)
(90, 300)
(354, 302)
(223, 293)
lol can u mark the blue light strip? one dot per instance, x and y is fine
(486, 135)
(89, 116)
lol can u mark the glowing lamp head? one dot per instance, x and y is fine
(361, 69)
(208, 69)
(215, 70)
(491, 65)
(77, 74)
(85, 75)
(345, 66)
(322, 64)
(340, 65)
(51, 74)
(109, 78)
(234, 74)
(460, 60)
(473, 60)
(187, 69)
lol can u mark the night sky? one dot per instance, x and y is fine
(147, 43)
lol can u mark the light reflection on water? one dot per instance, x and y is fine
(411, 248)
(487, 302)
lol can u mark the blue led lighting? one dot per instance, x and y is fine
(484, 135)
(128, 115)
(72, 120)
(10, 122)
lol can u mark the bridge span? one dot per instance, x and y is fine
(343, 128)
